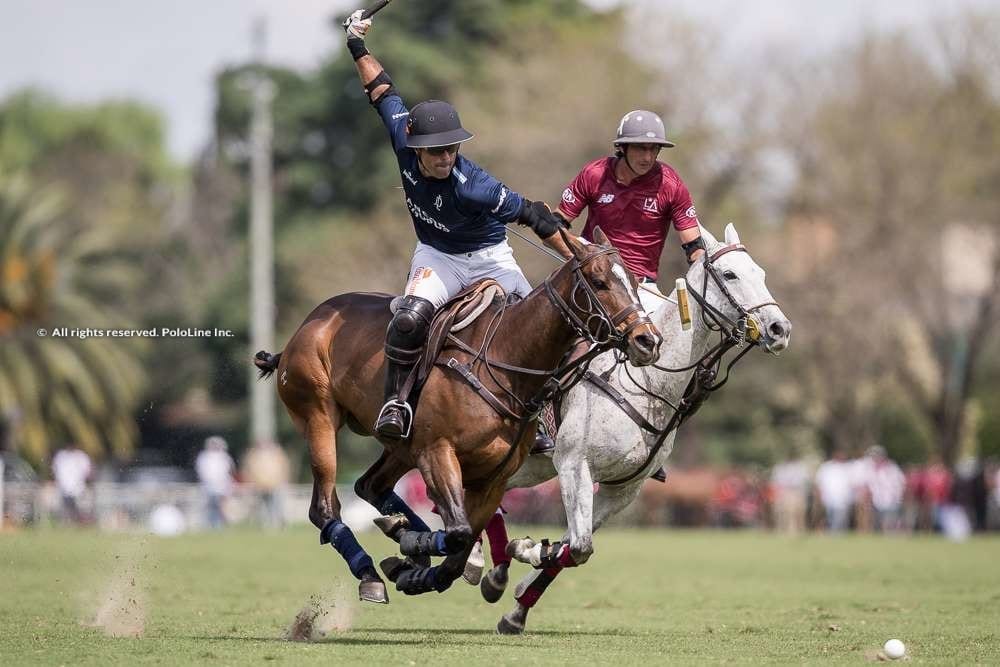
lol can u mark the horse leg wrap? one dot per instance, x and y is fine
(415, 543)
(549, 554)
(342, 539)
(496, 531)
(420, 580)
(532, 587)
(390, 503)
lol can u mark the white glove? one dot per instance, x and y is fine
(355, 26)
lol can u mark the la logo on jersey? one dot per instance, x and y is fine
(650, 205)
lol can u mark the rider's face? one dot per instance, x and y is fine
(437, 162)
(641, 157)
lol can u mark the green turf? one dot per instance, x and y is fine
(647, 596)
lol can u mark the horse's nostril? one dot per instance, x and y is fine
(645, 341)
(777, 330)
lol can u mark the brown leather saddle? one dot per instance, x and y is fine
(456, 314)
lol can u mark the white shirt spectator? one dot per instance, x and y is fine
(215, 471)
(835, 483)
(791, 476)
(886, 484)
(71, 468)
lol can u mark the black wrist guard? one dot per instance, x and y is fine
(356, 46)
(560, 219)
(692, 246)
(537, 215)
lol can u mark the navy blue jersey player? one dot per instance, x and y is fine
(459, 213)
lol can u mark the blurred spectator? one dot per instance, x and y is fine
(834, 488)
(215, 467)
(71, 469)
(265, 467)
(861, 472)
(936, 493)
(970, 492)
(886, 485)
(790, 489)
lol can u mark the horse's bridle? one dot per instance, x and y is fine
(746, 326)
(611, 330)
(706, 369)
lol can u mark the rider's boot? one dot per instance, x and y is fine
(544, 443)
(404, 341)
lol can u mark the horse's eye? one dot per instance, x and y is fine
(729, 275)
(599, 284)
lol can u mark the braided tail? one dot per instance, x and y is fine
(267, 363)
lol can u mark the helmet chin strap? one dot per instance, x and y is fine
(624, 156)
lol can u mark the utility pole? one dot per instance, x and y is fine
(262, 311)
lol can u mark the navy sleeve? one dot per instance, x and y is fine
(488, 193)
(394, 115)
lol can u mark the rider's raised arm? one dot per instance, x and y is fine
(376, 82)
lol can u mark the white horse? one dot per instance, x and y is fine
(599, 442)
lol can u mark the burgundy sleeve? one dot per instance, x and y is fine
(576, 196)
(682, 211)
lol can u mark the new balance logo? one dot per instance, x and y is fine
(605, 199)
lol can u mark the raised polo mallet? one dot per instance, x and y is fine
(368, 13)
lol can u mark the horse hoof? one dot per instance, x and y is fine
(392, 525)
(393, 566)
(509, 626)
(516, 548)
(474, 565)
(373, 591)
(494, 583)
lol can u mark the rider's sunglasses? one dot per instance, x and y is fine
(441, 150)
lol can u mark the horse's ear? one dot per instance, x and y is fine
(600, 238)
(710, 241)
(732, 238)
(572, 243)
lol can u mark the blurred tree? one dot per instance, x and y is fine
(896, 156)
(58, 387)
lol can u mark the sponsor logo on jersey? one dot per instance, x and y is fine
(409, 176)
(605, 199)
(459, 175)
(691, 212)
(650, 205)
(397, 116)
(419, 214)
(503, 196)
(568, 196)
(438, 202)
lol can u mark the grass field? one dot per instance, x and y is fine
(661, 597)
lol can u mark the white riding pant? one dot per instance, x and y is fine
(437, 276)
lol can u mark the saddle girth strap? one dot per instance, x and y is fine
(620, 401)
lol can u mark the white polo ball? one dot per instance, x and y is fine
(894, 649)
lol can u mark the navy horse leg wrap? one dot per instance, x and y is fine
(342, 539)
(421, 580)
(389, 503)
(413, 543)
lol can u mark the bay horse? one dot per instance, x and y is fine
(602, 441)
(474, 422)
